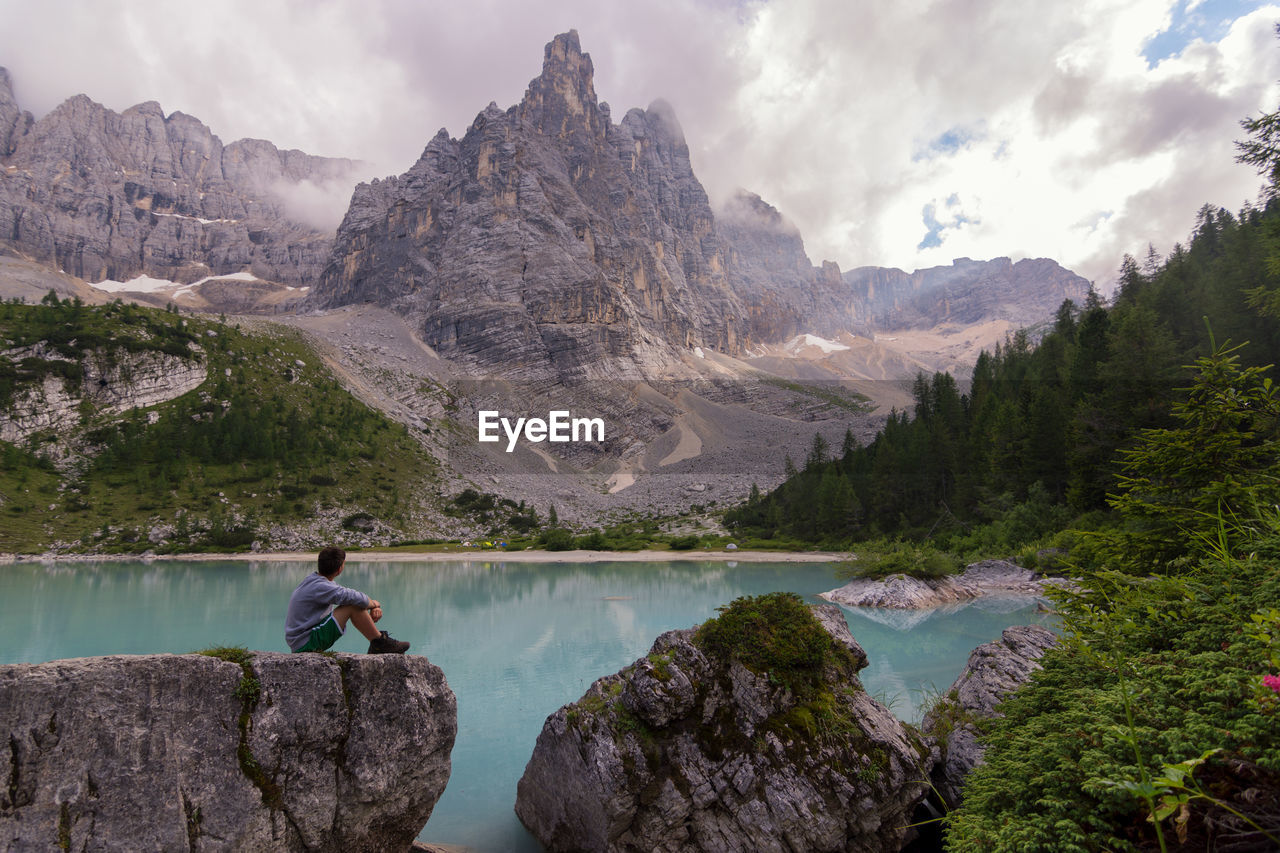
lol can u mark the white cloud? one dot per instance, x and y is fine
(1082, 152)
(1046, 123)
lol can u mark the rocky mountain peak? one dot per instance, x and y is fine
(563, 98)
(549, 242)
(107, 195)
(546, 241)
(13, 121)
(146, 108)
(662, 115)
(749, 210)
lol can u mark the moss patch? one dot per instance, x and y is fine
(64, 827)
(777, 636)
(248, 691)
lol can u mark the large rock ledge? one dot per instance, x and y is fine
(993, 672)
(681, 752)
(191, 752)
(989, 577)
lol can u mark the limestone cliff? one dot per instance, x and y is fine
(549, 242)
(966, 293)
(782, 292)
(188, 752)
(106, 195)
(110, 382)
(686, 751)
(548, 238)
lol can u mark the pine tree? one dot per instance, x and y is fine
(817, 453)
(1204, 481)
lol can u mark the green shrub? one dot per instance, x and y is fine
(904, 558)
(359, 521)
(1169, 672)
(593, 541)
(775, 635)
(557, 539)
(685, 543)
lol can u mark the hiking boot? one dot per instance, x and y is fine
(387, 645)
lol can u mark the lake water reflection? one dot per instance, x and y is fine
(515, 640)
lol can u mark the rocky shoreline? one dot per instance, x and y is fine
(688, 752)
(985, 578)
(993, 671)
(683, 750)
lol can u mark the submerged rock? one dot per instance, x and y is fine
(690, 750)
(988, 577)
(993, 672)
(190, 752)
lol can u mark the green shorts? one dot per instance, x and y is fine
(323, 635)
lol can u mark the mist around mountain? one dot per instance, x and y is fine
(549, 259)
(108, 197)
(594, 249)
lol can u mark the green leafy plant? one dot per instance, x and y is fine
(918, 560)
(774, 635)
(1156, 684)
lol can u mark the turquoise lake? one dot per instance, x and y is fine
(515, 640)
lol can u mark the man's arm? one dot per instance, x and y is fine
(339, 595)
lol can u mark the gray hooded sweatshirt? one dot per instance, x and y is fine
(312, 602)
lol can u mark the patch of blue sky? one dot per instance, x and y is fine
(949, 141)
(934, 227)
(933, 234)
(1207, 20)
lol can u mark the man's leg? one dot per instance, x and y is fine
(359, 617)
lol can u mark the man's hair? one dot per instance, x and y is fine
(331, 559)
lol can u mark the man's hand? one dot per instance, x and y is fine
(375, 609)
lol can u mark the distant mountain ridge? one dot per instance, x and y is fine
(106, 195)
(547, 242)
(967, 292)
(550, 236)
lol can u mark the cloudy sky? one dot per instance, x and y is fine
(902, 133)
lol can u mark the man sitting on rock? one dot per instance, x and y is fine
(319, 610)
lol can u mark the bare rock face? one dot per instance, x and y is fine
(106, 195)
(14, 122)
(783, 293)
(901, 592)
(682, 751)
(111, 383)
(549, 242)
(967, 292)
(547, 238)
(188, 752)
(993, 672)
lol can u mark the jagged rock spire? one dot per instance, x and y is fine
(562, 99)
